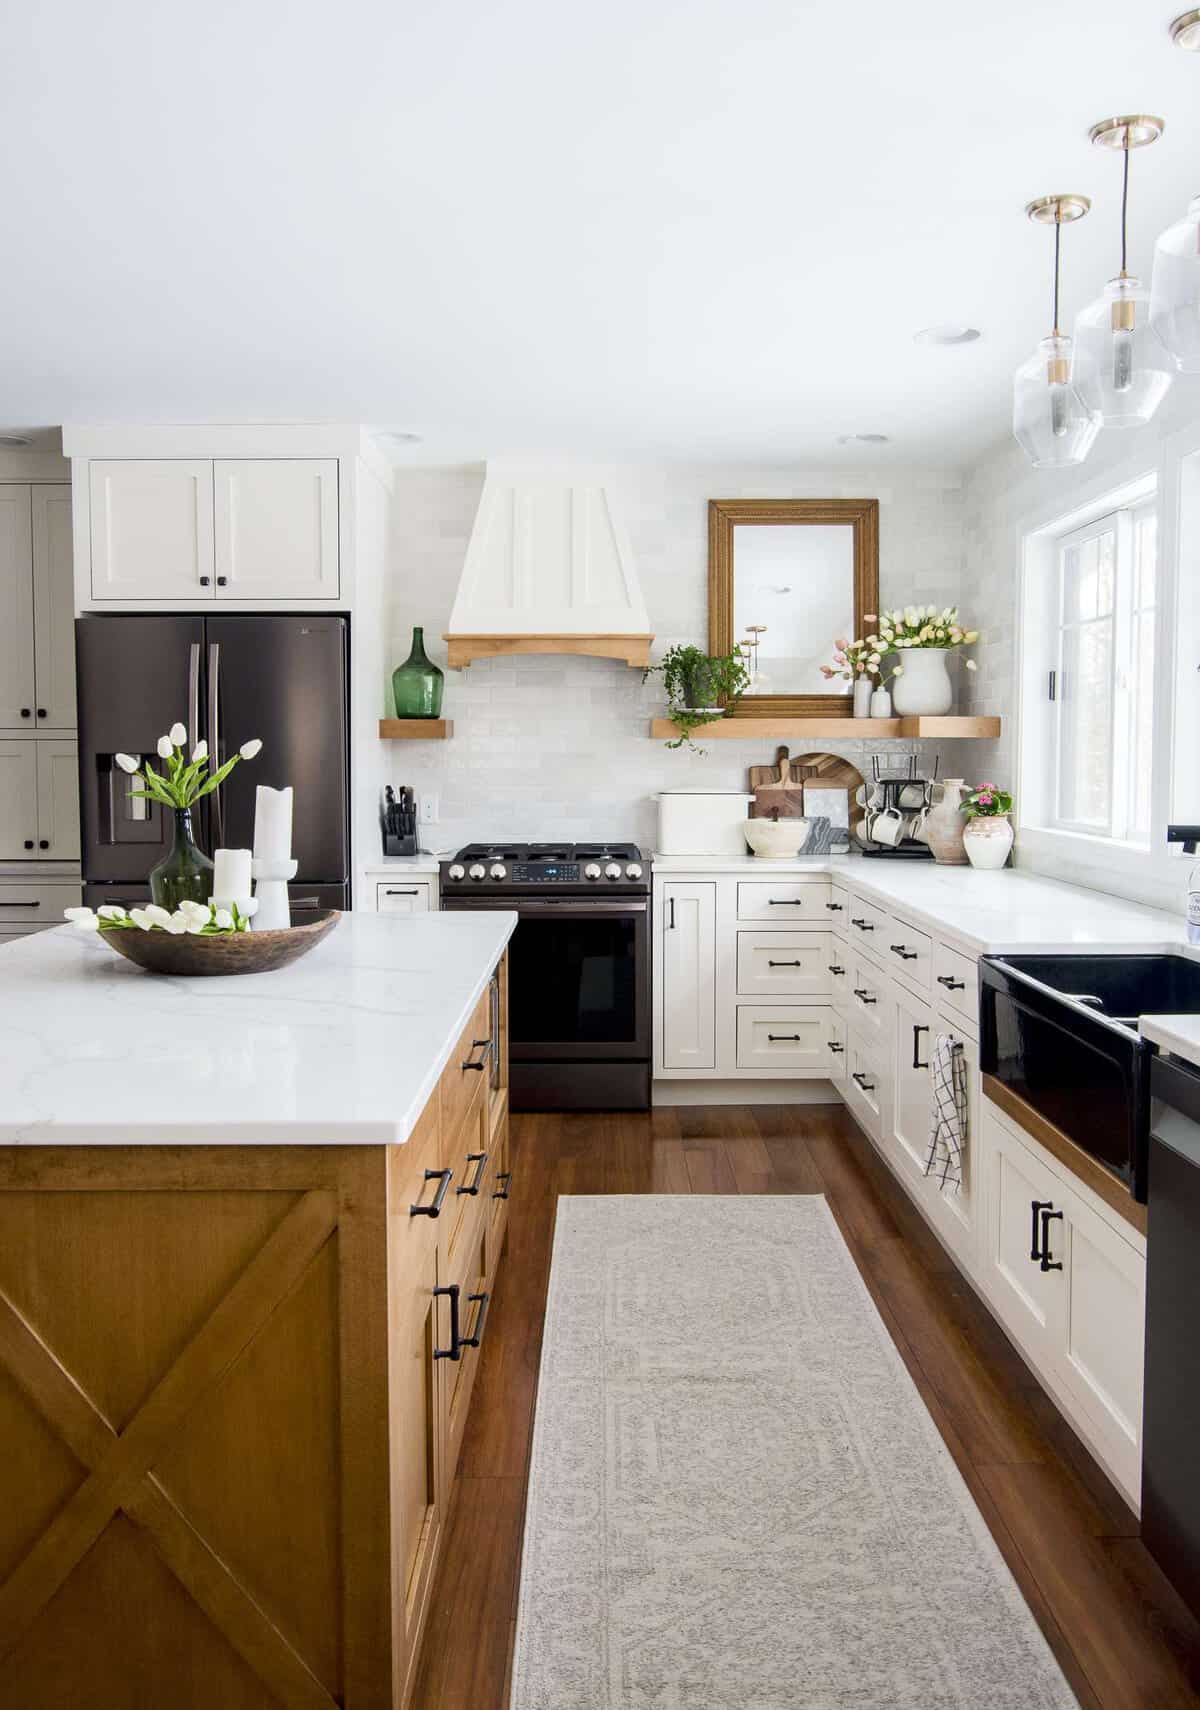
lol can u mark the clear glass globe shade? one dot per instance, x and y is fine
(1122, 368)
(1175, 290)
(1052, 423)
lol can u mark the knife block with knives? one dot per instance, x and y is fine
(399, 822)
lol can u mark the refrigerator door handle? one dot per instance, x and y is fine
(214, 737)
(193, 697)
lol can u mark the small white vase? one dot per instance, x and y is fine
(987, 840)
(923, 684)
(862, 697)
(881, 703)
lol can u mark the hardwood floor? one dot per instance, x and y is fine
(1122, 1637)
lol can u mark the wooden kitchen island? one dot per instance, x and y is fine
(236, 1347)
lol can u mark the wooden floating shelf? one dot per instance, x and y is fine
(416, 729)
(631, 650)
(847, 729)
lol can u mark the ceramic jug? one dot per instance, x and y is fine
(944, 825)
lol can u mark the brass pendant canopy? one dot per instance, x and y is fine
(1185, 31)
(1130, 130)
(1058, 210)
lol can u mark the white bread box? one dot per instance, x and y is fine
(702, 822)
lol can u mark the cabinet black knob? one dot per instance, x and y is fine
(221, 581)
(29, 843)
(42, 712)
(43, 843)
(26, 712)
(205, 580)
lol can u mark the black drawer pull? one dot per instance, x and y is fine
(433, 1209)
(504, 1176)
(20, 905)
(1036, 1206)
(919, 1027)
(786, 902)
(671, 921)
(864, 1083)
(793, 1038)
(476, 1336)
(863, 925)
(1047, 1263)
(480, 1160)
(835, 908)
(835, 1046)
(904, 953)
(951, 984)
(411, 892)
(483, 1046)
(863, 995)
(771, 964)
(834, 969)
(454, 1351)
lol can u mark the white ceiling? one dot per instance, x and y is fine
(698, 231)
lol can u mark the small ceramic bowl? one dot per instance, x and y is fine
(777, 839)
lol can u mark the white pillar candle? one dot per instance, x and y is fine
(231, 875)
(272, 824)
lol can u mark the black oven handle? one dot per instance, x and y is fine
(579, 907)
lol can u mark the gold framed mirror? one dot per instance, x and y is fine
(786, 577)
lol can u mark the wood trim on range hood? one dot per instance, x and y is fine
(548, 569)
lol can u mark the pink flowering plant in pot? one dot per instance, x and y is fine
(988, 838)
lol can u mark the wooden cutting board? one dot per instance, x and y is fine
(831, 772)
(777, 790)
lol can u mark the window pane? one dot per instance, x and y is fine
(1146, 548)
(1141, 716)
(1088, 578)
(1085, 726)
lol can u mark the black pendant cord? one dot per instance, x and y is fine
(1124, 204)
(1057, 259)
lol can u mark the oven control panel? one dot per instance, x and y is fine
(546, 872)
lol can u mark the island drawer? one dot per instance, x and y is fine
(468, 1274)
(468, 1154)
(957, 980)
(785, 901)
(468, 1070)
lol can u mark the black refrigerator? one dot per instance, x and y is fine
(283, 678)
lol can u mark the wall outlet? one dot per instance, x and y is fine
(429, 810)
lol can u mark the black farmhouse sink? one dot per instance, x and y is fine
(1060, 1032)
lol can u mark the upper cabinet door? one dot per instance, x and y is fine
(277, 529)
(54, 609)
(152, 529)
(18, 706)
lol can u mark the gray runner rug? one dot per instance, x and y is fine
(737, 1499)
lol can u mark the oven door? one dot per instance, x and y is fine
(578, 978)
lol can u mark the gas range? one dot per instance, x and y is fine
(521, 869)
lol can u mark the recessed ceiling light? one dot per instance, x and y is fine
(14, 441)
(862, 439)
(948, 333)
(1185, 31)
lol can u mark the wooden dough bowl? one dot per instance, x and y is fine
(221, 953)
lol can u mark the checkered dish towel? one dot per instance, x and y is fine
(948, 1136)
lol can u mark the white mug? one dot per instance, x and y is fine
(912, 796)
(888, 827)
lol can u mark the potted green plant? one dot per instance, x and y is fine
(701, 687)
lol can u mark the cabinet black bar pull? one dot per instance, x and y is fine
(476, 1336)
(671, 922)
(483, 1046)
(863, 995)
(774, 1037)
(433, 1209)
(834, 1046)
(504, 1176)
(411, 892)
(1035, 1207)
(786, 902)
(835, 908)
(834, 969)
(919, 1027)
(20, 905)
(454, 1351)
(479, 1159)
(771, 964)
(864, 1083)
(863, 925)
(1049, 1264)
(904, 953)
(951, 984)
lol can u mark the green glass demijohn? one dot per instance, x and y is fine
(417, 684)
(185, 872)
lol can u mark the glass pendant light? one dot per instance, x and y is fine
(1052, 423)
(1129, 371)
(1175, 282)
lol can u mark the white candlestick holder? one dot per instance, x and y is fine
(270, 888)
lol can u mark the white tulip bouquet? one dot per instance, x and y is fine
(182, 784)
(203, 919)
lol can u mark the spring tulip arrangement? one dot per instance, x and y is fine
(914, 626)
(181, 783)
(194, 917)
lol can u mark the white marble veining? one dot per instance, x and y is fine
(342, 1048)
(1009, 910)
(1177, 1034)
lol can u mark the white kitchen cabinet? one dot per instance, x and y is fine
(866, 1089)
(785, 964)
(53, 608)
(912, 1090)
(687, 928)
(404, 896)
(276, 528)
(1102, 1355)
(152, 529)
(18, 800)
(33, 904)
(18, 693)
(795, 1037)
(1019, 1187)
(57, 799)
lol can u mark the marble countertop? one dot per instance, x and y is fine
(1177, 1034)
(342, 1048)
(387, 866)
(1009, 910)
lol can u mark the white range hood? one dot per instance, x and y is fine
(548, 570)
